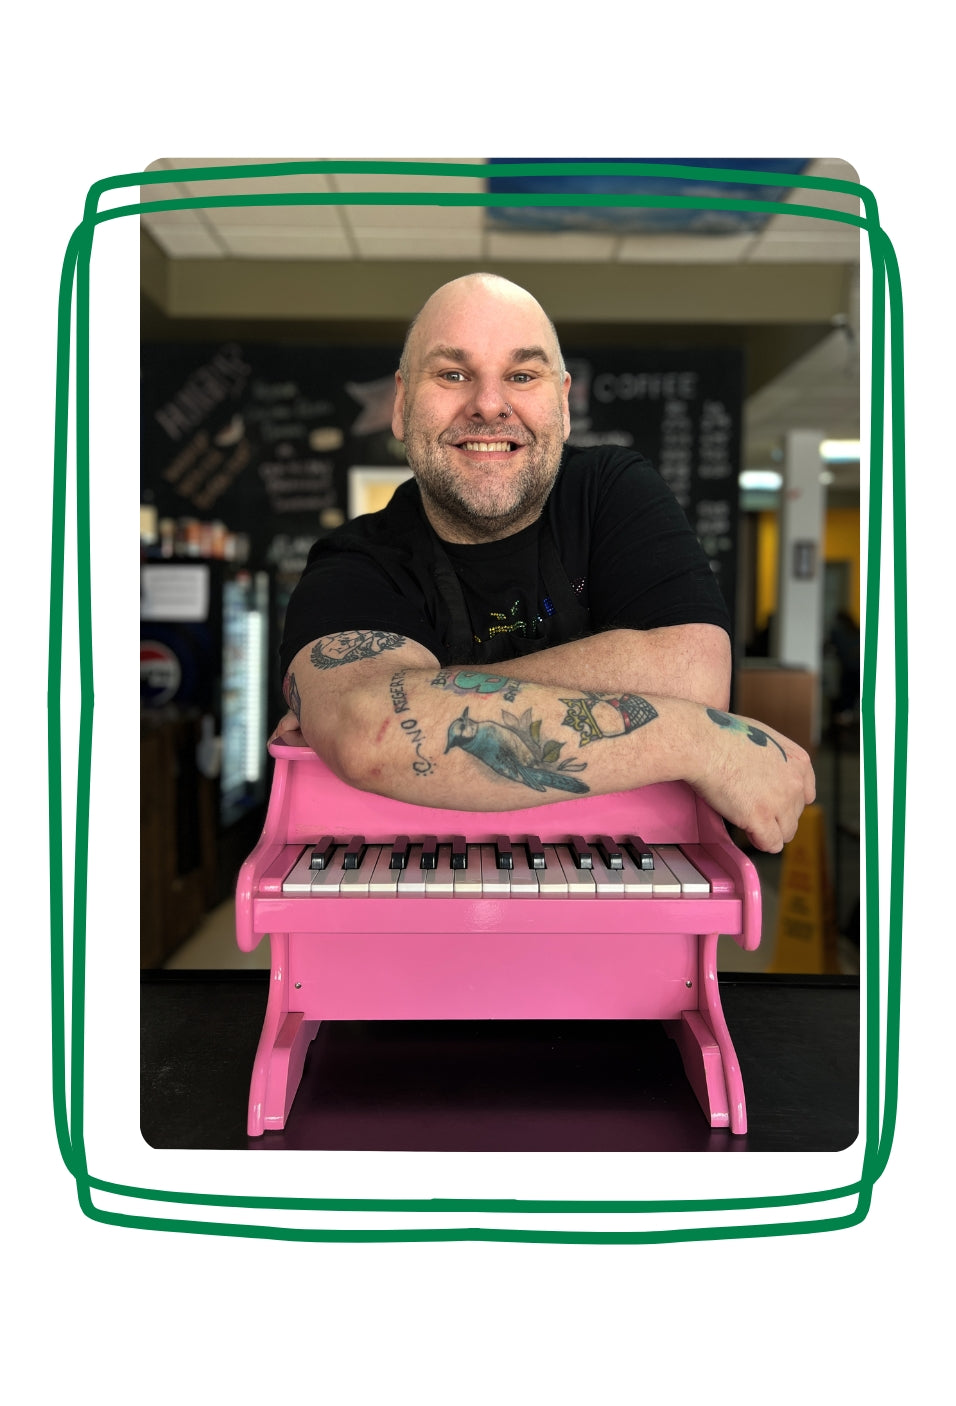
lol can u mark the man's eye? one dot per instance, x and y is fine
(522, 377)
(452, 375)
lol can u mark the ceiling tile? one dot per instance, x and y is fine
(434, 217)
(277, 217)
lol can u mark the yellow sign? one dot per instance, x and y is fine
(806, 939)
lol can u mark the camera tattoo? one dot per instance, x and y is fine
(349, 646)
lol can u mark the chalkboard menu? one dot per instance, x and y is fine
(261, 437)
(682, 410)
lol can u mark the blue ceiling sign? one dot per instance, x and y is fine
(636, 219)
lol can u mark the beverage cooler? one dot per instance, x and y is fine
(208, 700)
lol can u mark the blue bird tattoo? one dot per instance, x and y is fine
(515, 752)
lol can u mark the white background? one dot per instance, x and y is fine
(150, 1316)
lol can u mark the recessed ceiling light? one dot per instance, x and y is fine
(840, 451)
(760, 479)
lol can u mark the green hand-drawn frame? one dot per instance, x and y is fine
(69, 1118)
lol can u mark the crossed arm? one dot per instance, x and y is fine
(388, 718)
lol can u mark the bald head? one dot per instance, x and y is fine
(481, 403)
(476, 290)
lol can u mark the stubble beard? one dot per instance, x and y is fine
(482, 507)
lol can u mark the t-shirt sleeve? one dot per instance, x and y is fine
(646, 567)
(347, 591)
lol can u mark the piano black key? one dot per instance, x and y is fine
(639, 852)
(580, 852)
(354, 852)
(504, 858)
(610, 852)
(459, 852)
(399, 856)
(429, 852)
(322, 853)
(535, 851)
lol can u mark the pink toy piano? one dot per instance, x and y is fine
(602, 907)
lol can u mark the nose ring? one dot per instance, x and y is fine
(506, 412)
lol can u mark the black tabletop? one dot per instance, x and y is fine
(558, 1086)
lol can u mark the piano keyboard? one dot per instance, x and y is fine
(507, 867)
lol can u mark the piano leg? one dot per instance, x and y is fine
(283, 1044)
(710, 1060)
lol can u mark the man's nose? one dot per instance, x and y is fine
(488, 399)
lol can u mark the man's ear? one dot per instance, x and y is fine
(565, 403)
(398, 409)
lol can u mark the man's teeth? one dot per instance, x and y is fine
(496, 447)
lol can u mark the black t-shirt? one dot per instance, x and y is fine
(629, 559)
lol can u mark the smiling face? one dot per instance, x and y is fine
(482, 405)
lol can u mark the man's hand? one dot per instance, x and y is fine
(754, 777)
(287, 730)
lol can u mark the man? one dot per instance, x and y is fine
(573, 574)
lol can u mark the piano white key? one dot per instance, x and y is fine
(299, 878)
(384, 878)
(494, 881)
(411, 879)
(580, 882)
(523, 878)
(666, 882)
(608, 883)
(469, 880)
(638, 883)
(691, 879)
(356, 881)
(551, 879)
(441, 879)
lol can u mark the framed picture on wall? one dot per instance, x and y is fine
(370, 489)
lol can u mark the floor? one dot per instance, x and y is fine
(213, 946)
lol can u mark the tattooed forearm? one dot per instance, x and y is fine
(464, 681)
(756, 734)
(351, 645)
(606, 715)
(513, 748)
(291, 695)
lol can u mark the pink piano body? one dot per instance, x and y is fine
(383, 957)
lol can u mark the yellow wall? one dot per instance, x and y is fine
(841, 542)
